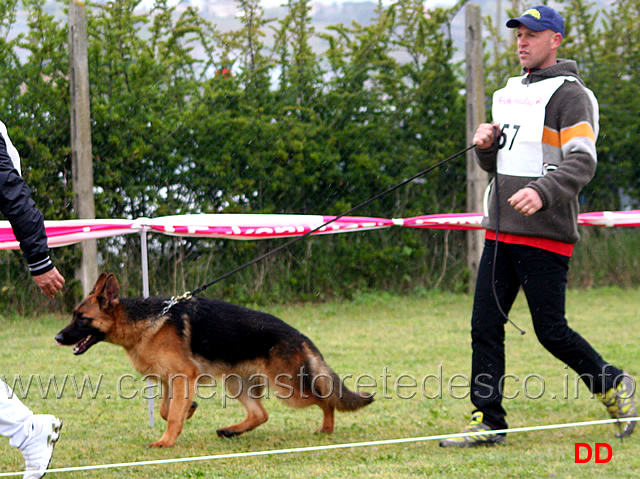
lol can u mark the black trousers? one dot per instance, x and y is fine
(543, 278)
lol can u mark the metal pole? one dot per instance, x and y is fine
(145, 293)
(145, 264)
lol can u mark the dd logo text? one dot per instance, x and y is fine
(590, 452)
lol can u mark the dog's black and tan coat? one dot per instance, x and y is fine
(208, 337)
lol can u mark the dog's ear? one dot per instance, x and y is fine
(108, 293)
(99, 286)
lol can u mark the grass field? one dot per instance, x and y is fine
(374, 338)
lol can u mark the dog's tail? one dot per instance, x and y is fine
(344, 399)
(326, 385)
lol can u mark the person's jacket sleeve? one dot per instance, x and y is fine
(26, 220)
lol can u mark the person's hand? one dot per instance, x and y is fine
(526, 201)
(50, 282)
(485, 135)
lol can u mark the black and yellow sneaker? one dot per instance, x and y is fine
(476, 426)
(620, 404)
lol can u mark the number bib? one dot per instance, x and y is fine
(520, 110)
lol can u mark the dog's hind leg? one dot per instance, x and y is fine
(249, 397)
(327, 419)
(192, 409)
(300, 399)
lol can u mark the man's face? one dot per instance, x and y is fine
(537, 49)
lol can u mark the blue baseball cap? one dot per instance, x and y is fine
(539, 18)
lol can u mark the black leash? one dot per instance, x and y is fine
(189, 294)
(495, 247)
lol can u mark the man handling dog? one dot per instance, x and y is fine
(33, 434)
(541, 148)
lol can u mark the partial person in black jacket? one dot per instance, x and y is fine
(26, 220)
(33, 434)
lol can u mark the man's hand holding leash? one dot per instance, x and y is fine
(526, 201)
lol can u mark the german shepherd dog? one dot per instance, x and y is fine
(202, 337)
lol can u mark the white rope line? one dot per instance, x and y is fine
(329, 446)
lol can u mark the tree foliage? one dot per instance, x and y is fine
(190, 119)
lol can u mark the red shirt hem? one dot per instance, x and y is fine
(559, 247)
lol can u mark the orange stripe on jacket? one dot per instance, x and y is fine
(557, 139)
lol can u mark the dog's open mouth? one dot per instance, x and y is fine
(84, 344)
(89, 337)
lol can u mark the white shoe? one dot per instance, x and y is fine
(38, 449)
